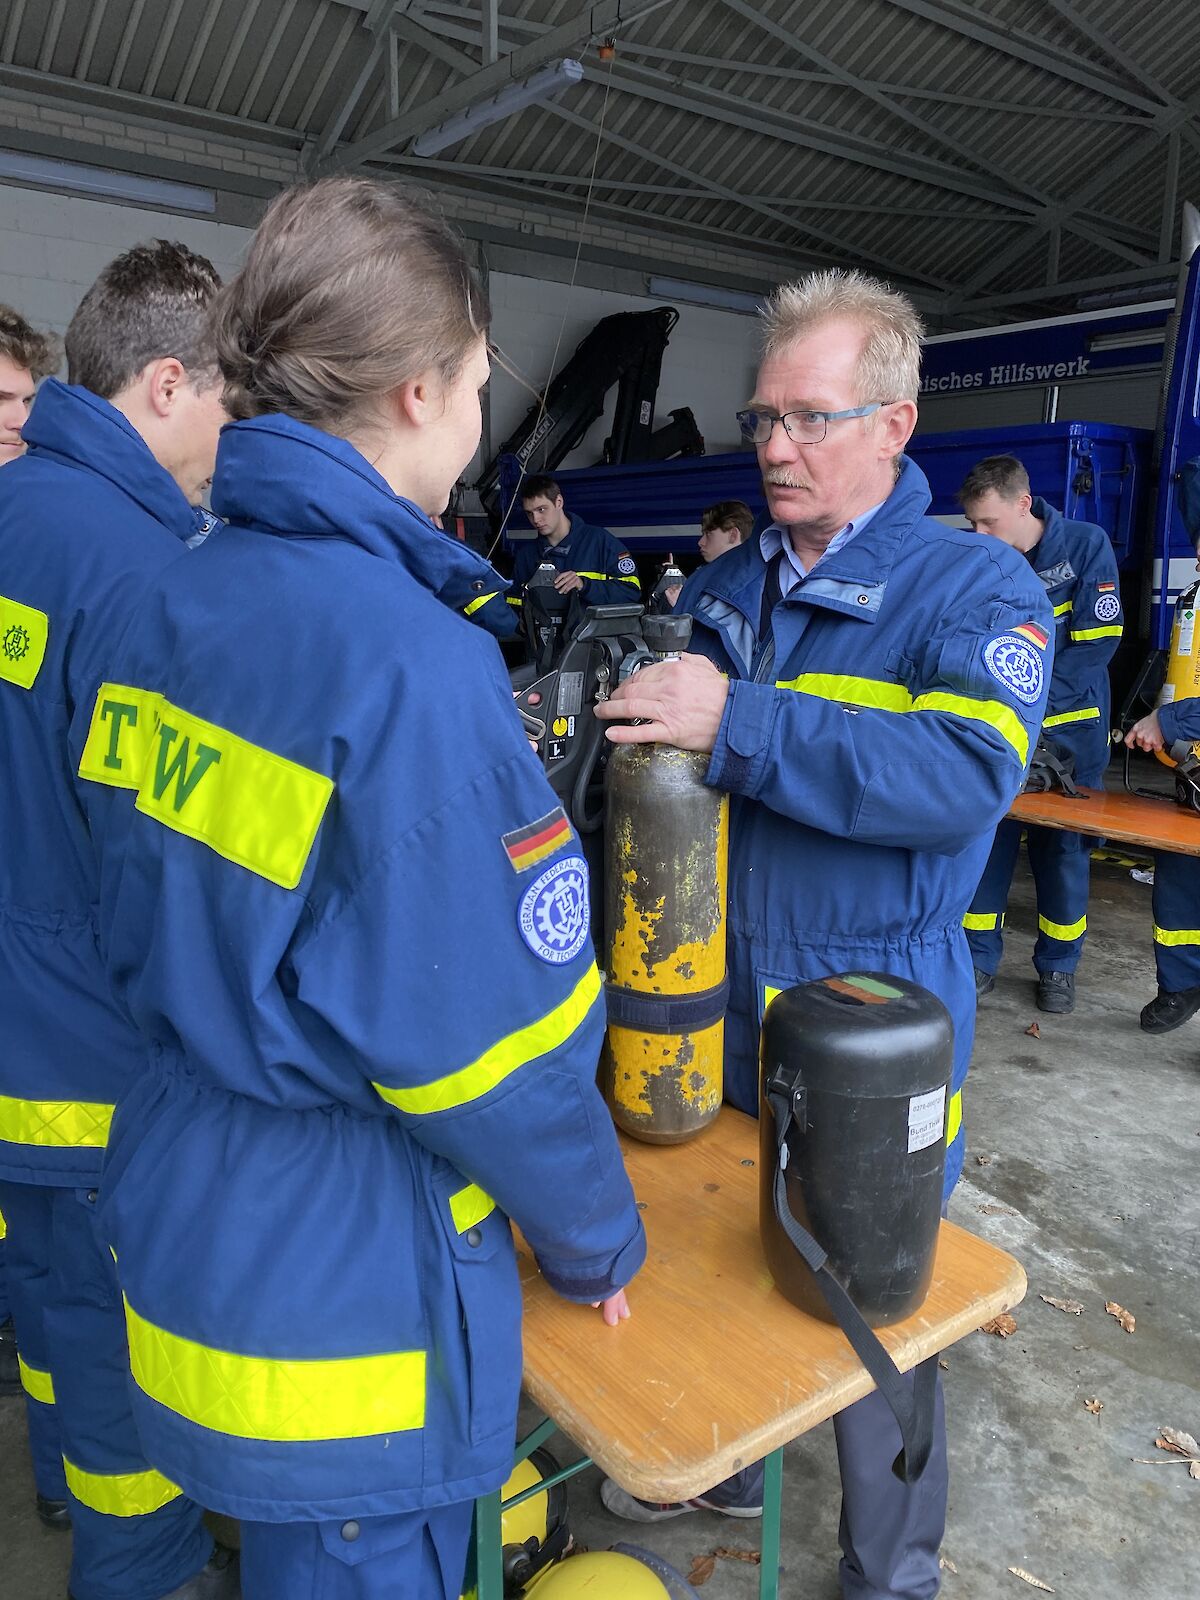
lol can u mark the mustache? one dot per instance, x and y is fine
(785, 480)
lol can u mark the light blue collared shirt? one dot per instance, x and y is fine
(774, 538)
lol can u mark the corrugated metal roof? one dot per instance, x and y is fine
(963, 148)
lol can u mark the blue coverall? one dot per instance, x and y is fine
(872, 738)
(1176, 902)
(1076, 563)
(606, 567)
(87, 518)
(341, 901)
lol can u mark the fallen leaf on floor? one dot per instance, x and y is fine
(703, 1568)
(1178, 1442)
(945, 1366)
(1074, 1307)
(984, 1161)
(1034, 1032)
(1001, 1326)
(1028, 1577)
(999, 1211)
(1094, 1406)
(730, 1552)
(947, 1565)
(1126, 1318)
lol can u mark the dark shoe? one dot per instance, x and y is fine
(54, 1514)
(219, 1580)
(10, 1373)
(1170, 1009)
(985, 982)
(1056, 992)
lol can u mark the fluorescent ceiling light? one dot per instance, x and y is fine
(101, 181)
(543, 85)
(703, 294)
(1129, 339)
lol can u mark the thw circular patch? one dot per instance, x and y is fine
(626, 566)
(553, 913)
(1107, 607)
(1015, 664)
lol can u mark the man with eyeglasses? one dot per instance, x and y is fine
(869, 684)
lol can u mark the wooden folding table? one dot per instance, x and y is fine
(715, 1369)
(1115, 815)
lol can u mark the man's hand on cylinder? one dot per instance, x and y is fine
(678, 702)
(567, 582)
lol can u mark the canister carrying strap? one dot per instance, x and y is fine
(666, 1013)
(912, 1408)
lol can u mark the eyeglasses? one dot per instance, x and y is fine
(801, 427)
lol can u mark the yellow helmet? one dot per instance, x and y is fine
(622, 1573)
(534, 1534)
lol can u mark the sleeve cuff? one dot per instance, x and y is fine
(743, 739)
(575, 1282)
(1168, 721)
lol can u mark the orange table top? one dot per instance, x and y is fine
(715, 1368)
(1115, 815)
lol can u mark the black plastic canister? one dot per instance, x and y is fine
(863, 1061)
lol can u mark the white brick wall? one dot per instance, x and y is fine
(53, 246)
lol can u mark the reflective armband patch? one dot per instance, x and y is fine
(124, 722)
(24, 631)
(248, 804)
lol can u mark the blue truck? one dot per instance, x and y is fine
(1122, 477)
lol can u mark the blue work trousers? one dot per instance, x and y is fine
(135, 1536)
(418, 1555)
(1177, 921)
(890, 1532)
(1061, 866)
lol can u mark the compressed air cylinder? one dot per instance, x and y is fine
(864, 1061)
(666, 849)
(1183, 660)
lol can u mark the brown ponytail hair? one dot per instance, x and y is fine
(350, 287)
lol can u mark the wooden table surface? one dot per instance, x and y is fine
(1115, 815)
(715, 1368)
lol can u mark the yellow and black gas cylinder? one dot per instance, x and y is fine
(666, 856)
(1182, 679)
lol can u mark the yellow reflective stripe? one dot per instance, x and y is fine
(494, 1065)
(124, 722)
(1176, 936)
(38, 1385)
(850, 691)
(634, 581)
(514, 600)
(1088, 714)
(1097, 633)
(953, 1118)
(473, 606)
(120, 1494)
(3, 1227)
(24, 631)
(1066, 931)
(994, 712)
(55, 1124)
(470, 1206)
(1061, 611)
(603, 576)
(255, 1397)
(983, 921)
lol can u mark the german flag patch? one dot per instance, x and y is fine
(525, 847)
(1031, 631)
(1105, 588)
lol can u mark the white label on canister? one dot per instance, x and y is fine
(926, 1119)
(1187, 633)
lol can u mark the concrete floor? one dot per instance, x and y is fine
(1093, 1135)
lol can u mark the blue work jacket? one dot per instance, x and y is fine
(87, 519)
(1180, 719)
(342, 903)
(1076, 564)
(606, 567)
(481, 594)
(871, 745)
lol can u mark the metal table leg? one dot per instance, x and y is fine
(768, 1572)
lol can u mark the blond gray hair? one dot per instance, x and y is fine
(889, 363)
